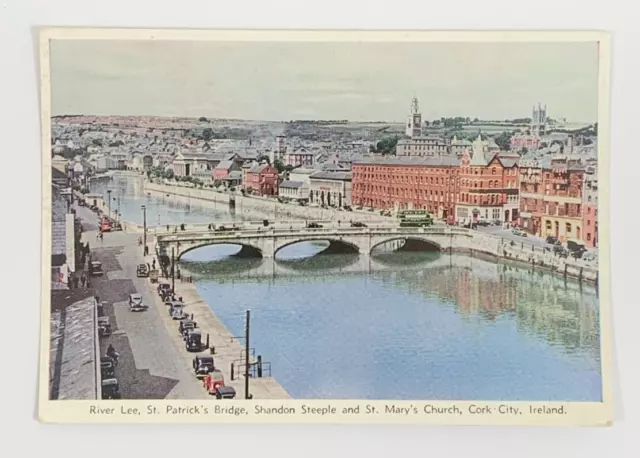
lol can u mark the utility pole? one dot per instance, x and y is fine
(144, 230)
(173, 269)
(246, 356)
(109, 196)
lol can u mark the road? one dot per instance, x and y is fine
(506, 234)
(150, 365)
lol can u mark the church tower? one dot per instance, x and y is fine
(414, 121)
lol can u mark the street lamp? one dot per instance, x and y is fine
(109, 194)
(144, 230)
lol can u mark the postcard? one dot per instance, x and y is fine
(325, 227)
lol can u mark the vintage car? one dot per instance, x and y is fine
(576, 248)
(213, 381)
(519, 233)
(101, 305)
(110, 388)
(358, 224)
(203, 365)
(107, 368)
(314, 226)
(193, 340)
(186, 326)
(552, 240)
(104, 327)
(142, 270)
(225, 392)
(163, 288)
(176, 311)
(95, 268)
(135, 303)
(153, 276)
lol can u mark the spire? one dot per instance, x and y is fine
(415, 106)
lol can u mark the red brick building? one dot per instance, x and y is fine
(551, 199)
(262, 180)
(411, 183)
(488, 186)
(590, 210)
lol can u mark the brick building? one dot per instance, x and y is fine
(488, 186)
(551, 199)
(407, 183)
(261, 179)
(590, 210)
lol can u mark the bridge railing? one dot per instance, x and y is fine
(302, 232)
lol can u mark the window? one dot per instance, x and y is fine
(588, 222)
(588, 237)
(548, 225)
(568, 228)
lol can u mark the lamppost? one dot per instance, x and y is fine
(109, 194)
(144, 230)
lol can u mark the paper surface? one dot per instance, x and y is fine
(394, 257)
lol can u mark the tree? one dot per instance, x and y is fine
(504, 141)
(207, 134)
(387, 145)
(264, 157)
(202, 119)
(279, 166)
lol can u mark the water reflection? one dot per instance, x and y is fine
(414, 326)
(128, 195)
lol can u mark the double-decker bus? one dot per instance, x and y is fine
(415, 218)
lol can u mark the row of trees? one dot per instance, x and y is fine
(385, 146)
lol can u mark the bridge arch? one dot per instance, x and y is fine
(336, 245)
(413, 243)
(246, 249)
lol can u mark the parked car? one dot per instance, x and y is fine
(225, 392)
(135, 303)
(142, 270)
(314, 226)
(193, 340)
(213, 381)
(552, 240)
(185, 326)
(358, 224)
(576, 248)
(203, 365)
(110, 388)
(519, 233)
(176, 311)
(107, 368)
(95, 268)
(483, 223)
(163, 288)
(104, 327)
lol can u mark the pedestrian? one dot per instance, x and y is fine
(75, 282)
(101, 235)
(167, 228)
(148, 266)
(88, 284)
(178, 273)
(97, 235)
(154, 263)
(83, 279)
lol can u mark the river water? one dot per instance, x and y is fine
(396, 325)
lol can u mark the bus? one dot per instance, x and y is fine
(415, 218)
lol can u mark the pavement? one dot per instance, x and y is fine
(149, 365)
(153, 361)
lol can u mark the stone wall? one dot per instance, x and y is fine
(267, 206)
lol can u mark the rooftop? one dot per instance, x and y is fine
(412, 161)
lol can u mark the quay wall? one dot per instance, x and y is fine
(264, 205)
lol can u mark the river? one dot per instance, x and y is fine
(398, 325)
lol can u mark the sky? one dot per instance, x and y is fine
(358, 81)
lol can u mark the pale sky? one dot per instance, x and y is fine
(355, 81)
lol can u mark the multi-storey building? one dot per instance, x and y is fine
(261, 179)
(407, 183)
(488, 186)
(551, 199)
(330, 188)
(590, 209)
(423, 146)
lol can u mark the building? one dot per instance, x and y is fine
(407, 183)
(303, 175)
(64, 238)
(423, 146)
(414, 121)
(539, 120)
(590, 210)
(330, 188)
(185, 163)
(232, 179)
(300, 157)
(224, 168)
(488, 187)
(294, 190)
(551, 198)
(530, 139)
(261, 179)
(59, 163)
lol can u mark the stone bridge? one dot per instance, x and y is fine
(266, 242)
